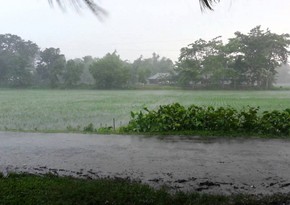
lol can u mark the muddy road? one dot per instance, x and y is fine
(255, 166)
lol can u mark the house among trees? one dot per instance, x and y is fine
(160, 78)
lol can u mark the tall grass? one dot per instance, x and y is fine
(62, 110)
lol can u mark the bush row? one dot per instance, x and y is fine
(175, 117)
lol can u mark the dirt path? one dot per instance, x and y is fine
(214, 166)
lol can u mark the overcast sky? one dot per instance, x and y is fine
(138, 27)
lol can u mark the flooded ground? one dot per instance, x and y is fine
(255, 166)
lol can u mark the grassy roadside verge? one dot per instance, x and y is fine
(48, 189)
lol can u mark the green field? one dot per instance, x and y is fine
(62, 110)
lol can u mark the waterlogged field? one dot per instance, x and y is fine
(64, 110)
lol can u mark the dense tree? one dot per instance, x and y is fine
(258, 54)
(72, 72)
(202, 62)
(188, 72)
(51, 66)
(110, 72)
(17, 60)
(139, 72)
(23, 64)
(86, 76)
(246, 60)
(143, 68)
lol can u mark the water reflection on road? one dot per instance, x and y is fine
(179, 163)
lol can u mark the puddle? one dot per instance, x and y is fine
(224, 166)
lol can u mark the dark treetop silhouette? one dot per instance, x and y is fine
(99, 12)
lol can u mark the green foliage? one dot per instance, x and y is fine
(260, 53)
(72, 72)
(110, 72)
(175, 117)
(247, 60)
(51, 66)
(22, 64)
(17, 58)
(89, 128)
(105, 130)
(143, 68)
(249, 120)
(86, 77)
(202, 62)
(276, 122)
(43, 190)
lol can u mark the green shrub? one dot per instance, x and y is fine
(249, 119)
(89, 128)
(175, 117)
(276, 122)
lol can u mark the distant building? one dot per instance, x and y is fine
(160, 78)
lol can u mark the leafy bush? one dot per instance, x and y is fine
(249, 119)
(276, 122)
(175, 117)
(89, 128)
(105, 130)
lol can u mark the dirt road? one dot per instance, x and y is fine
(189, 164)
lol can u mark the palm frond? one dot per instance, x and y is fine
(78, 4)
(207, 4)
(100, 12)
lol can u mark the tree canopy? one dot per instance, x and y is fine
(51, 66)
(17, 58)
(247, 60)
(110, 72)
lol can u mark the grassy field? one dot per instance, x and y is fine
(27, 189)
(63, 110)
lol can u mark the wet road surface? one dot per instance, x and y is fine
(226, 166)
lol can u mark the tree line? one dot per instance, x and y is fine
(245, 61)
(24, 64)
